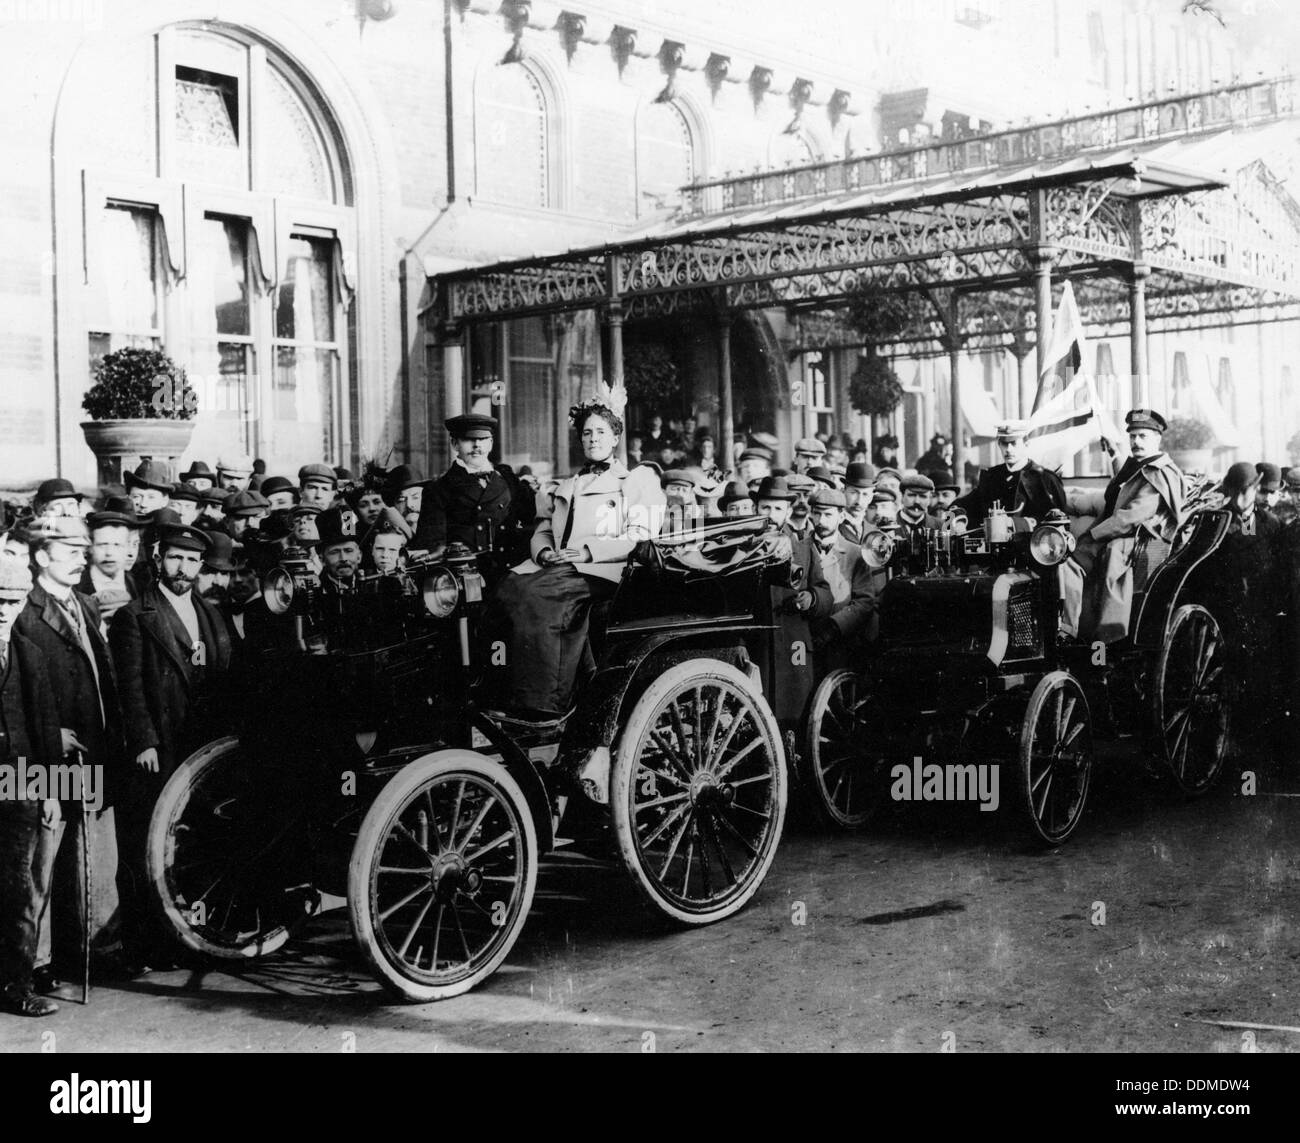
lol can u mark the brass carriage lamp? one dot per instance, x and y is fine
(291, 585)
(1052, 541)
(877, 550)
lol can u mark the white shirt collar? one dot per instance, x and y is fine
(60, 592)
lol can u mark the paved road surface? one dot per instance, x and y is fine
(939, 924)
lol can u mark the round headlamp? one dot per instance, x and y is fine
(277, 591)
(441, 594)
(1050, 545)
(877, 550)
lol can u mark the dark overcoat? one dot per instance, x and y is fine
(71, 676)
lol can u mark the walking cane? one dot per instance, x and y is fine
(85, 883)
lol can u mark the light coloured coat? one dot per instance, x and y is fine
(612, 511)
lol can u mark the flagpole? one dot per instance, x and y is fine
(1042, 258)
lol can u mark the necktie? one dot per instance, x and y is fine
(594, 466)
(71, 606)
(4, 656)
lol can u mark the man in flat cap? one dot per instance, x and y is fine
(808, 453)
(212, 509)
(171, 649)
(1020, 486)
(471, 503)
(754, 464)
(915, 515)
(65, 627)
(803, 486)
(29, 731)
(1144, 499)
(106, 576)
(244, 513)
(234, 471)
(317, 485)
(853, 615)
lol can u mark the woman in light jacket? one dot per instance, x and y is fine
(579, 547)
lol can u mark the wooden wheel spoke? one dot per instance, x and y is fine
(666, 777)
(1071, 735)
(690, 855)
(672, 848)
(415, 927)
(679, 728)
(668, 820)
(488, 802)
(699, 728)
(411, 896)
(464, 943)
(666, 748)
(750, 781)
(704, 856)
(739, 757)
(1047, 790)
(400, 830)
(710, 829)
(499, 840)
(721, 819)
(721, 748)
(665, 800)
(1044, 776)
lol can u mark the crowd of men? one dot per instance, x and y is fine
(121, 619)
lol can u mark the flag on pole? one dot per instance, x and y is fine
(1070, 417)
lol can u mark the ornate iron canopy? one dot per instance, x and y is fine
(1164, 190)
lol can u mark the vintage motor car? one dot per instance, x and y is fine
(970, 668)
(365, 765)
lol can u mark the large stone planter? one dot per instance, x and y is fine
(119, 445)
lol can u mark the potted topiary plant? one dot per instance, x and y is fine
(141, 405)
(1188, 442)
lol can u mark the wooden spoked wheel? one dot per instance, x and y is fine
(229, 868)
(1191, 697)
(1055, 757)
(698, 791)
(841, 762)
(442, 875)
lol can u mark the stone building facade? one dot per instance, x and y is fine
(264, 190)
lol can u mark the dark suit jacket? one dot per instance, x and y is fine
(794, 669)
(76, 700)
(160, 683)
(1038, 489)
(456, 508)
(28, 725)
(854, 616)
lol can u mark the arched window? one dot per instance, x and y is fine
(665, 156)
(512, 139)
(229, 249)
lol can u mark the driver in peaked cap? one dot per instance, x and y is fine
(1021, 486)
(1143, 499)
(471, 502)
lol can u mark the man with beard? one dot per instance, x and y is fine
(245, 512)
(212, 511)
(214, 580)
(234, 473)
(111, 557)
(803, 486)
(172, 649)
